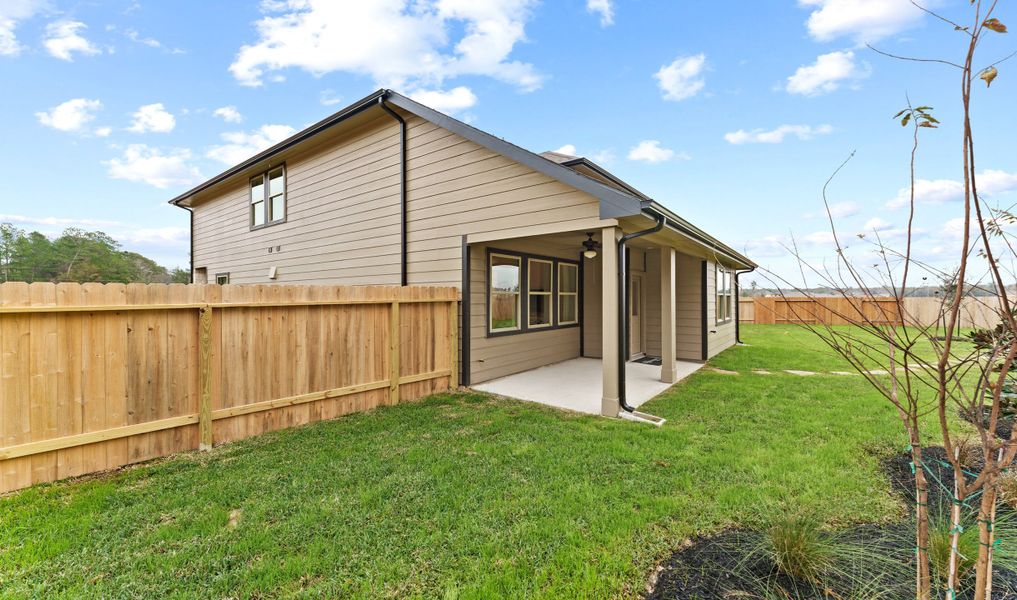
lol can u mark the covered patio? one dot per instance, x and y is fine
(576, 384)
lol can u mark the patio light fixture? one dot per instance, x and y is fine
(591, 247)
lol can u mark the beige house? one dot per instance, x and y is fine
(548, 249)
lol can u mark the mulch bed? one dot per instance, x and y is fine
(721, 567)
(1004, 424)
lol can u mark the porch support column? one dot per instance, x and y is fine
(668, 306)
(609, 308)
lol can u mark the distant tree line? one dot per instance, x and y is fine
(76, 256)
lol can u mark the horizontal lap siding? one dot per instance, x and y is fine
(688, 320)
(342, 217)
(472, 190)
(493, 357)
(343, 209)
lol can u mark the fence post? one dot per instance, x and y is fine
(393, 354)
(205, 378)
(453, 342)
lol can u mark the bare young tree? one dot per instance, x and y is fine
(922, 373)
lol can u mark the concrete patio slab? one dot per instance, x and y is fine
(576, 384)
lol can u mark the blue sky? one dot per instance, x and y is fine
(731, 115)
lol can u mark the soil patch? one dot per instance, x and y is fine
(1004, 424)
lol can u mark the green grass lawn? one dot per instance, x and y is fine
(466, 496)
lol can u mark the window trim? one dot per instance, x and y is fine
(226, 275)
(267, 198)
(519, 294)
(574, 294)
(722, 292)
(524, 317)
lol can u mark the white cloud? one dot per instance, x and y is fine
(861, 20)
(103, 131)
(939, 191)
(569, 149)
(682, 78)
(70, 116)
(876, 224)
(398, 43)
(651, 151)
(329, 98)
(63, 40)
(134, 36)
(839, 210)
(603, 157)
(230, 114)
(11, 12)
(452, 101)
(819, 238)
(141, 163)
(152, 118)
(776, 136)
(243, 145)
(827, 74)
(604, 8)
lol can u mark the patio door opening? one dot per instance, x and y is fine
(636, 316)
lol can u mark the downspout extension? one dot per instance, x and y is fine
(402, 189)
(623, 308)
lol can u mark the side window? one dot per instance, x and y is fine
(504, 277)
(725, 301)
(268, 198)
(222, 278)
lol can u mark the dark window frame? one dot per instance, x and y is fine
(266, 201)
(524, 300)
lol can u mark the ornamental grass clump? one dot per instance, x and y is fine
(799, 548)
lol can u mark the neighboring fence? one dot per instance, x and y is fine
(925, 311)
(93, 377)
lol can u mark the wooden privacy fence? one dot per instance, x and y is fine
(923, 311)
(96, 376)
(829, 311)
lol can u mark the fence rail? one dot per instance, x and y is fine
(925, 311)
(94, 377)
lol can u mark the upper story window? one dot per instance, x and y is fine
(725, 295)
(268, 198)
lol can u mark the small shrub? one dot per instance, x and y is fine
(800, 548)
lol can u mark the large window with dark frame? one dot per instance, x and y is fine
(268, 198)
(725, 295)
(530, 293)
